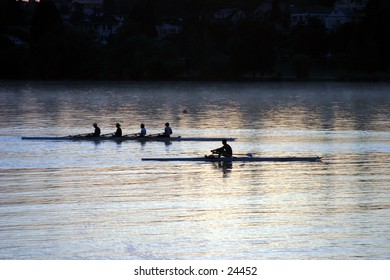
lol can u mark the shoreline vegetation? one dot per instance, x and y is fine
(249, 79)
(37, 44)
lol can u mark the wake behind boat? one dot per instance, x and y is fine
(213, 158)
(124, 138)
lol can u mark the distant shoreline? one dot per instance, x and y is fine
(344, 78)
(323, 79)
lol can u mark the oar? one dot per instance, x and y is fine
(80, 135)
(247, 154)
(107, 134)
(87, 134)
(132, 135)
(138, 135)
(154, 135)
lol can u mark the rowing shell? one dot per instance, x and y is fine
(141, 139)
(243, 159)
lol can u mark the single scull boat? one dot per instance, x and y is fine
(242, 159)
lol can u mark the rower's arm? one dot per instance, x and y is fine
(219, 150)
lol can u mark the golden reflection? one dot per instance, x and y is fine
(75, 107)
(225, 167)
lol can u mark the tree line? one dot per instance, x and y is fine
(204, 50)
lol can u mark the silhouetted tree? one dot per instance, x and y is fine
(109, 6)
(11, 13)
(376, 33)
(77, 16)
(196, 44)
(45, 20)
(210, 50)
(310, 40)
(275, 11)
(12, 58)
(143, 15)
(329, 3)
(300, 65)
(253, 50)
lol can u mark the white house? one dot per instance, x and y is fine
(338, 17)
(104, 26)
(299, 16)
(351, 4)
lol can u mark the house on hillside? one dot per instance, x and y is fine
(301, 16)
(229, 15)
(105, 25)
(89, 7)
(62, 5)
(351, 4)
(169, 27)
(100, 26)
(14, 39)
(339, 17)
(89, 16)
(344, 11)
(263, 11)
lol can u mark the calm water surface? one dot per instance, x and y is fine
(86, 200)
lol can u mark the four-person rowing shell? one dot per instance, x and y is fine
(96, 135)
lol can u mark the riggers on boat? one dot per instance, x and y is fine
(126, 138)
(213, 158)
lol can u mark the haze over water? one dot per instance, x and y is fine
(86, 200)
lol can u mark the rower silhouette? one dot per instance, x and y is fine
(225, 150)
(167, 131)
(118, 132)
(143, 130)
(97, 131)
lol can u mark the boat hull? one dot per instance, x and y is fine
(119, 139)
(241, 159)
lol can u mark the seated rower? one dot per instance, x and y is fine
(143, 130)
(118, 132)
(167, 131)
(96, 133)
(225, 150)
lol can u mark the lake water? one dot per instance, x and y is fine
(87, 200)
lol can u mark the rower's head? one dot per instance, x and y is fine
(94, 125)
(224, 141)
(118, 125)
(167, 124)
(142, 125)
